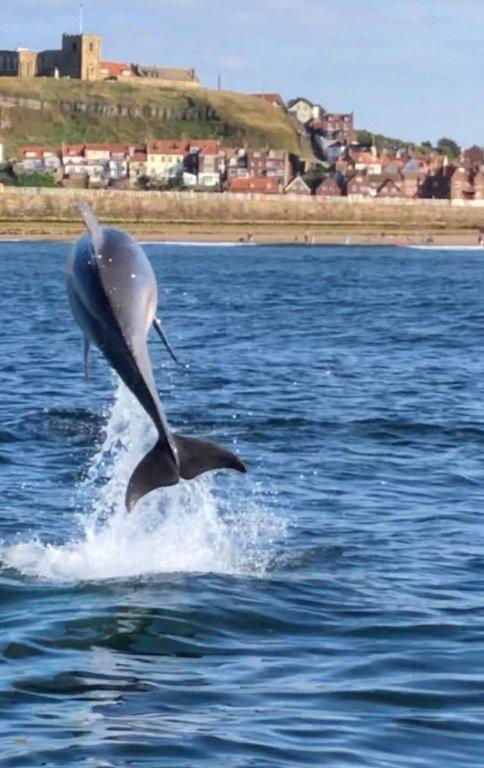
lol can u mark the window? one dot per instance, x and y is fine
(91, 47)
(74, 47)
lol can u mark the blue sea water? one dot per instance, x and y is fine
(327, 609)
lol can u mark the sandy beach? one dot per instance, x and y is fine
(279, 233)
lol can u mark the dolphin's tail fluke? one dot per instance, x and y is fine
(158, 468)
(199, 456)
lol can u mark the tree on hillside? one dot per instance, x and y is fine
(448, 147)
(365, 138)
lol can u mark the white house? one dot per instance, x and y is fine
(38, 158)
(165, 158)
(304, 110)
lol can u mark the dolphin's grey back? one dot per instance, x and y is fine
(113, 294)
(120, 270)
(131, 289)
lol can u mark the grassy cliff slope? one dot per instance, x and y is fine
(51, 111)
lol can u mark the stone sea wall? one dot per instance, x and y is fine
(178, 207)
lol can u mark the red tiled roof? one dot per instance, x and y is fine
(115, 68)
(139, 156)
(73, 150)
(167, 147)
(364, 157)
(207, 146)
(272, 98)
(122, 148)
(254, 184)
(38, 150)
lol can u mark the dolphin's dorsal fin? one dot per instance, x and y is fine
(92, 224)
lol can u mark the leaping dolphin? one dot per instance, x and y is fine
(113, 296)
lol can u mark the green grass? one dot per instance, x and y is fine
(237, 118)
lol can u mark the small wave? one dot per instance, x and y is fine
(51, 423)
(416, 430)
(191, 527)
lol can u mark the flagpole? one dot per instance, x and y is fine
(81, 18)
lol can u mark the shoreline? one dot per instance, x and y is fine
(177, 217)
(230, 235)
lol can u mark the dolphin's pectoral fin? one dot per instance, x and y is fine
(87, 358)
(161, 333)
(198, 456)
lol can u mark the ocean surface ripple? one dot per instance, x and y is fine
(325, 610)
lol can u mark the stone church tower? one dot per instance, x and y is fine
(81, 57)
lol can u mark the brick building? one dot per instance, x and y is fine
(328, 188)
(338, 126)
(365, 185)
(479, 186)
(413, 182)
(335, 127)
(268, 162)
(298, 187)
(461, 187)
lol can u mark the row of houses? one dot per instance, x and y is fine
(200, 163)
(357, 173)
(360, 171)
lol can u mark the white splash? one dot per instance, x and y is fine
(186, 528)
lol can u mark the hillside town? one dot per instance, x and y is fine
(335, 160)
(343, 168)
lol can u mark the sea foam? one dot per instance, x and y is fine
(200, 527)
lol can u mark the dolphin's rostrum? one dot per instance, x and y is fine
(113, 295)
